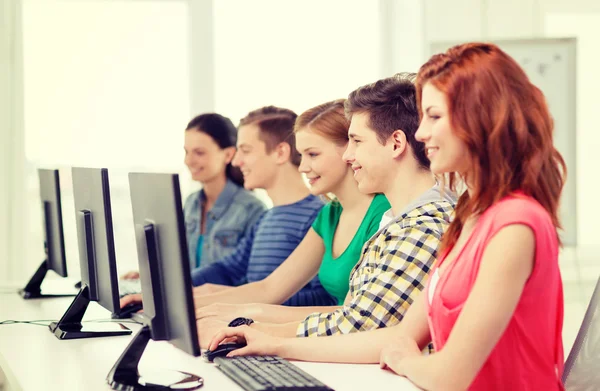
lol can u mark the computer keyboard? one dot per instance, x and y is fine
(129, 287)
(272, 373)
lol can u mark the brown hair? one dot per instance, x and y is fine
(505, 123)
(276, 126)
(327, 120)
(392, 105)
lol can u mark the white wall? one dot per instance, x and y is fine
(586, 28)
(106, 85)
(294, 54)
(11, 142)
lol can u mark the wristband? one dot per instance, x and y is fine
(240, 322)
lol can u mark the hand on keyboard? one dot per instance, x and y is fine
(132, 275)
(131, 299)
(257, 343)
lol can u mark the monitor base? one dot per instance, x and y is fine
(159, 380)
(33, 288)
(39, 295)
(124, 375)
(70, 326)
(76, 331)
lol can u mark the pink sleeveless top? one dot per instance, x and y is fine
(529, 355)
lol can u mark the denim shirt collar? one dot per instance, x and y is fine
(223, 201)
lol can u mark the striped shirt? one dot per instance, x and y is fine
(273, 238)
(392, 270)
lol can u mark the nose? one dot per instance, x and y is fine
(348, 155)
(187, 160)
(304, 166)
(423, 133)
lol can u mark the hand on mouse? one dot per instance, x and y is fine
(130, 299)
(257, 343)
(207, 328)
(392, 355)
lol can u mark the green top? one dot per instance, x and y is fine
(334, 274)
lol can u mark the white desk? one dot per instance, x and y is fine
(33, 359)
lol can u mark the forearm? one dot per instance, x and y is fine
(220, 289)
(254, 292)
(284, 314)
(427, 372)
(360, 347)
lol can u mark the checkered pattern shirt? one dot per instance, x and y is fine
(391, 273)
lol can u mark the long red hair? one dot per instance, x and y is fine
(505, 123)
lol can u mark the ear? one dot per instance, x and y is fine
(229, 154)
(398, 143)
(282, 153)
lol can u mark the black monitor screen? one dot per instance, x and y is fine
(54, 242)
(163, 259)
(95, 236)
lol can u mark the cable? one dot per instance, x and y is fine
(33, 322)
(112, 321)
(39, 322)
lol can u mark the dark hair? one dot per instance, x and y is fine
(224, 133)
(504, 121)
(328, 120)
(392, 105)
(276, 126)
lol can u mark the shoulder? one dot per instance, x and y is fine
(191, 200)
(517, 209)
(300, 214)
(379, 205)
(330, 209)
(434, 215)
(308, 206)
(247, 199)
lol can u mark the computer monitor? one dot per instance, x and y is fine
(54, 243)
(166, 284)
(96, 256)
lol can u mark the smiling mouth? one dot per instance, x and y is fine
(431, 150)
(313, 180)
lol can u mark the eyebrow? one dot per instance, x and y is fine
(308, 149)
(427, 109)
(352, 135)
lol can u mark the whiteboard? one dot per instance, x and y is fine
(550, 64)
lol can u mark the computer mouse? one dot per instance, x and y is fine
(222, 350)
(128, 310)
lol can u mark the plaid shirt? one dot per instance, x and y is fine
(390, 274)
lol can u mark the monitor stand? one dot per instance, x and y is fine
(70, 326)
(33, 288)
(124, 374)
